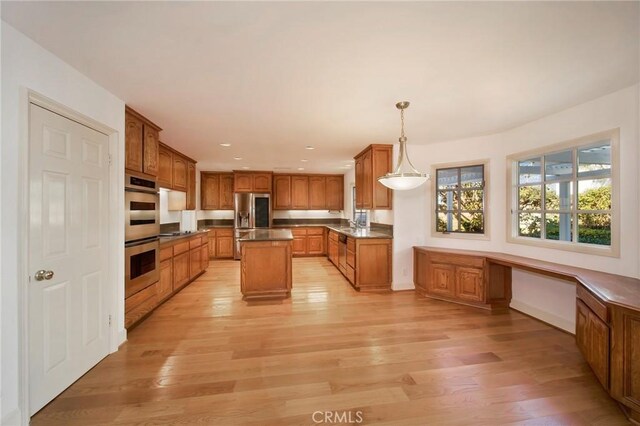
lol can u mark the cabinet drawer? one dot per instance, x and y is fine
(140, 297)
(166, 253)
(299, 231)
(333, 236)
(592, 302)
(195, 242)
(351, 244)
(180, 247)
(315, 231)
(351, 257)
(458, 260)
(224, 232)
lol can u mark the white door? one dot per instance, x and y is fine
(68, 196)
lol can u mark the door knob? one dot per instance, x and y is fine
(43, 275)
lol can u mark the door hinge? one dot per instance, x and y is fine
(110, 159)
(109, 320)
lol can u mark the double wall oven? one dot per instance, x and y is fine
(142, 226)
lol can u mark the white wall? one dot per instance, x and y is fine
(26, 65)
(413, 209)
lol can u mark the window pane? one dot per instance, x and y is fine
(447, 200)
(472, 222)
(447, 178)
(529, 224)
(472, 177)
(594, 228)
(529, 171)
(594, 194)
(558, 196)
(595, 160)
(530, 197)
(558, 226)
(471, 199)
(447, 222)
(558, 165)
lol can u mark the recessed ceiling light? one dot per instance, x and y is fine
(237, 158)
(309, 147)
(300, 168)
(245, 167)
(304, 160)
(225, 144)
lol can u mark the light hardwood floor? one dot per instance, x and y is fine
(207, 357)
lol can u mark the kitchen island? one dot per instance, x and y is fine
(265, 263)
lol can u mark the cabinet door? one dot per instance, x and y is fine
(242, 182)
(441, 280)
(359, 183)
(367, 181)
(165, 284)
(224, 247)
(150, 151)
(133, 143)
(625, 361)
(262, 182)
(317, 192)
(333, 252)
(599, 348)
(299, 245)
(315, 244)
(212, 246)
(195, 262)
(191, 186)
(335, 192)
(299, 192)
(209, 191)
(204, 257)
(180, 270)
(582, 323)
(469, 284)
(381, 165)
(281, 192)
(226, 191)
(165, 168)
(180, 172)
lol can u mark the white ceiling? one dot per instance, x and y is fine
(271, 78)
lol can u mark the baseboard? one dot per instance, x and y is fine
(544, 316)
(122, 337)
(14, 418)
(402, 286)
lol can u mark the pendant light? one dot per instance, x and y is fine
(405, 176)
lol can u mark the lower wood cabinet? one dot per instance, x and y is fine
(333, 247)
(592, 337)
(181, 261)
(308, 241)
(625, 360)
(220, 243)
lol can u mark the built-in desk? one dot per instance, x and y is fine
(607, 312)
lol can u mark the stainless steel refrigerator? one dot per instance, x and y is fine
(252, 210)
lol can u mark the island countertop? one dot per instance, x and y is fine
(266, 235)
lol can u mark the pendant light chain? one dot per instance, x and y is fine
(402, 123)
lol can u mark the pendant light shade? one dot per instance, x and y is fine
(405, 176)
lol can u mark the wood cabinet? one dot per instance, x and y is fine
(180, 270)
(282, 192)
(216, 191)
(371, 163)
(165, 284)
(204, 256)
(592, 337)
(265, 269)
(299, 192)
(220, 243)
(180, 173)
(141, 144)
(308, 241)
(333, 247)
(165, 166)
(308, 192)
(463, 279)
(252, 181)
(191, 186)
(625, 360)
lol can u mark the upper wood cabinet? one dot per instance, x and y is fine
(373, 162)
(281, 192)
(180, 173)
(216, 191)
(165, 167)
(299, 192)
(191, 185)
(141, 143)
(317, 192)
(308, 192)
(252, 181)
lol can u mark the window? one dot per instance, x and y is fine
(564, 195)
(460, 200)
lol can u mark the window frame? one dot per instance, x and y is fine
(512, 222)
(485, 163)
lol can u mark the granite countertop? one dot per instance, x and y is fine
(359, 233)
(207, 227)
(168, 239)
(266, 235)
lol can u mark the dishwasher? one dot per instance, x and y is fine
(342, 253)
